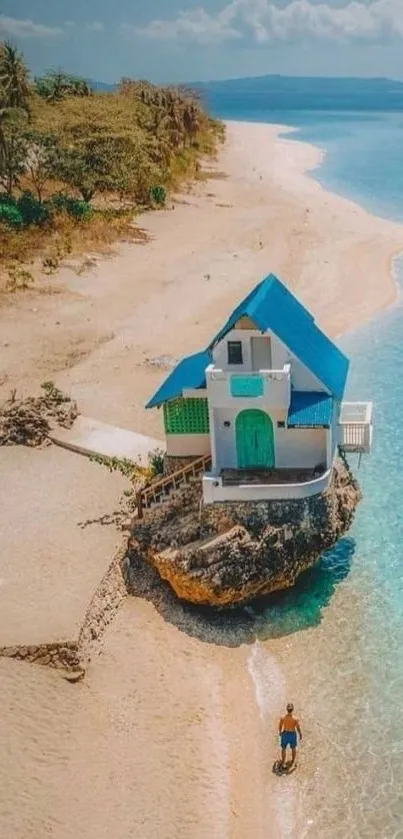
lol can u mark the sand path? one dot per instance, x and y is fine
(166, 737)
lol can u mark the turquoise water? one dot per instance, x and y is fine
(343, 623)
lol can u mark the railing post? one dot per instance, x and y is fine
(139, 503)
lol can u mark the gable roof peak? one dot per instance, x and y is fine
(271, 306)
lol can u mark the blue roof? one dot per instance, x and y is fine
(190, 372)
(270, 306)
(309, 409)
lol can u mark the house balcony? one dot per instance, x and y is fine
(245, 485)
(355, 427)
(267, 389)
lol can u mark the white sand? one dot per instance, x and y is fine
(166, 737)
(55, 547)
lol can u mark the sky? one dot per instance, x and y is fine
(197, 40)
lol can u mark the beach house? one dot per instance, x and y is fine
(260, 411)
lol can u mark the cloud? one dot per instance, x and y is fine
(196, 25)
(11, 26)
(265, 22)
(16, 28)
(96, 26)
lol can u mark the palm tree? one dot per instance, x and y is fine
(14, 77)
(14, 86)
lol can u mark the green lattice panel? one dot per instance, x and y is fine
(186, 416)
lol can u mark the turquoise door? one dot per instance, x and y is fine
(254, 439)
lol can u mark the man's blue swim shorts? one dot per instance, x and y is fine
(289, 738)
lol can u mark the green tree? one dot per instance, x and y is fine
(57, 85)
(14, 151)
(93, 164)
(41, 160)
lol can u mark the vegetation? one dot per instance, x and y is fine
(134, 471)
(76, 164)
(28, 422)
(56, 85)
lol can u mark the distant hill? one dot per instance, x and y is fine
(108, 88)
(301, 93)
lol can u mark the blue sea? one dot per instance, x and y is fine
(344, 620)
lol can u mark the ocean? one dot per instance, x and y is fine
(344, 620)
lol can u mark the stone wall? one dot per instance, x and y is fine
(73, 656)
(62, 654)
(104, 604)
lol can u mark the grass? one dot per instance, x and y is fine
(49, 245)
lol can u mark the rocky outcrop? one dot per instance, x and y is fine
(229, 553)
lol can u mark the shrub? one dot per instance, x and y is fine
(32, 210)
(79, 210)
(158, 195)
(156, 462)
(10, 215)
(8, 200)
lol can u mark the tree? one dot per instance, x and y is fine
(14, 89)
(41, 160)
(93, 164)
(14, 152)
(57, 85)
(14, 77)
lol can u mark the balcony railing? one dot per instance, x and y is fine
(355, 427)
(272, 388)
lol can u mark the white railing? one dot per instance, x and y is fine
(355, 427)
(275, 390)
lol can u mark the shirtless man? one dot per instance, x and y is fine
(287, 729)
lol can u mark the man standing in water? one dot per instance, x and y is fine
(287, 729)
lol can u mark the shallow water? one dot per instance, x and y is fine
(340, 631)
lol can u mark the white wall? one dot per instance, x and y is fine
(301, 377)
(213, 490)
(220, 352)
(226, 457)
(276, 391)
(186, 445)
(294, 447)
(301, 448)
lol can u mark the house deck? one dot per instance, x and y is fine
(250, 477)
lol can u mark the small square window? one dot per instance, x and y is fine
(281, 424)
(235, 352)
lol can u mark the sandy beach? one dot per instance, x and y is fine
(172, 733)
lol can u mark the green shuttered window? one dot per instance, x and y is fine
(186, 416)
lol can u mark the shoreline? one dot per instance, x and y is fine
(93, 334)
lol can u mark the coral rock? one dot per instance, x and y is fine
(233, 552)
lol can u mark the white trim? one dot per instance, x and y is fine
(214, 491)
(213, 437)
